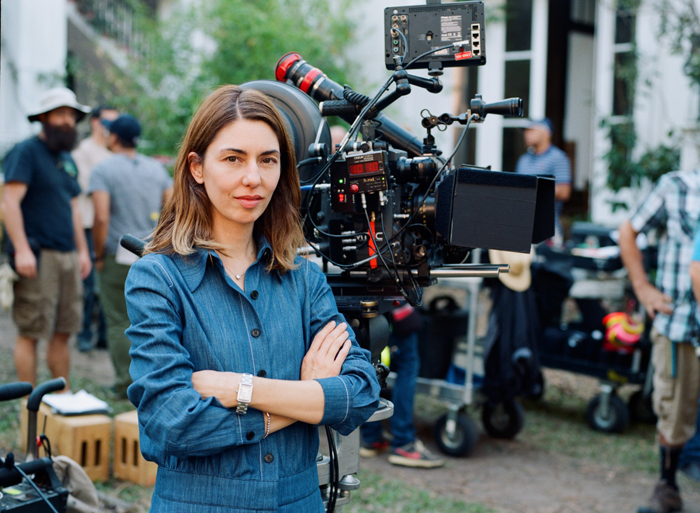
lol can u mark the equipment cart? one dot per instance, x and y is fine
(578, 347)
(456, 433)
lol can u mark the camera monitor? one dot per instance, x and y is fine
(457, 26)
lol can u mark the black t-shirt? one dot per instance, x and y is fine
(51, 180)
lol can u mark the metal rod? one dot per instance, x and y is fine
(473, 291)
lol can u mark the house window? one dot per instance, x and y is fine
(518, 59)
(518, 25)
(625, 68)
(518, 82)
(466, 154)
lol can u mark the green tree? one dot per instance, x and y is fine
(201, 46)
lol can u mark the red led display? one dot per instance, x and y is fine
(356, 169)
(367, 167)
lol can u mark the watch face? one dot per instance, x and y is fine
(245, 392)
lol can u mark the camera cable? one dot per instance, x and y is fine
(333, 471)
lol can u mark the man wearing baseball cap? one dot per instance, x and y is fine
(46, 238)
(128, 191)
(543, 158)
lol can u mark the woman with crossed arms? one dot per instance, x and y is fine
(238, 350)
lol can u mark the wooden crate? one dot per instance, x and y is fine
(83, 438)
(129, 464)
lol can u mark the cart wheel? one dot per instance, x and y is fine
(640, 408)
(616, 419)
(503, 420)
(537, 392)
(463, 439)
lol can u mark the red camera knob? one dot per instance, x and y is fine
(354, 188)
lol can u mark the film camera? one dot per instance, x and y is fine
(387, 212)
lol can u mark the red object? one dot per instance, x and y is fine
(283, 65)
(308, 79)
(356, 169)
(354, 188)
(341, 198)
(463, 55)
(372, 247)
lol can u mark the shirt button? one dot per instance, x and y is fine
(255, 333)
(268, 458)
(250, 435)
(254, 294)
(262, 373)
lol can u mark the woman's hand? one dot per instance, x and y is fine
(327, 352)
(222, 385)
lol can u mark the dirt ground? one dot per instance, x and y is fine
(507, 476)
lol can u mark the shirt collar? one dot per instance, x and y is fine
(192, 267)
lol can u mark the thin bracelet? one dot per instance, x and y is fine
(267, 429)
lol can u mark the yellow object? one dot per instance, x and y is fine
(386, 356)
(129, 464)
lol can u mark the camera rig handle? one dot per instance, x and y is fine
(12, 391)
(33, 403)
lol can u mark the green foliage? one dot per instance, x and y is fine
(624, 171)
(208, 44)
(680, 23)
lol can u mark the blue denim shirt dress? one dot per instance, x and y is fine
(188, 315)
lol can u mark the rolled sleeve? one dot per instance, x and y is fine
(353, 396)
(173, 417)
(652, 212)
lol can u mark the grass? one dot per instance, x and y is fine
(390, 495)
(557, 424)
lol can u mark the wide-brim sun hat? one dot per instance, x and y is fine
(519, 278)
(56, 98)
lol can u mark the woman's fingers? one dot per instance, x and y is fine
(317, 342)
(343, 353)
(333, 340)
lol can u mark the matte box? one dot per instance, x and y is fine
(478, 208)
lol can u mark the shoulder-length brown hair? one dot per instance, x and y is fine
(186, 219)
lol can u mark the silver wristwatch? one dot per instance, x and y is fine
(245, 393)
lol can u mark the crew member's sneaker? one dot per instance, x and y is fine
(415, 455)
(370, 450)
(665, 499)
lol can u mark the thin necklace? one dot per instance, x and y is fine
(237, 276)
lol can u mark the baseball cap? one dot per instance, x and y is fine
(56, 98)
(125, 127)
(542, 124)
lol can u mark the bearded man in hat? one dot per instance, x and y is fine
(46, 239)
(128, 192)
(543, 158)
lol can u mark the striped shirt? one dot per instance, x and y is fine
(674, 208)
(552, 162)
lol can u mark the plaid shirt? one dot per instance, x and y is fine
(674, 207)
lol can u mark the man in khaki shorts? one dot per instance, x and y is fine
(673, 209)
(46, 239)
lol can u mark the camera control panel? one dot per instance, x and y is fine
(362, 173)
